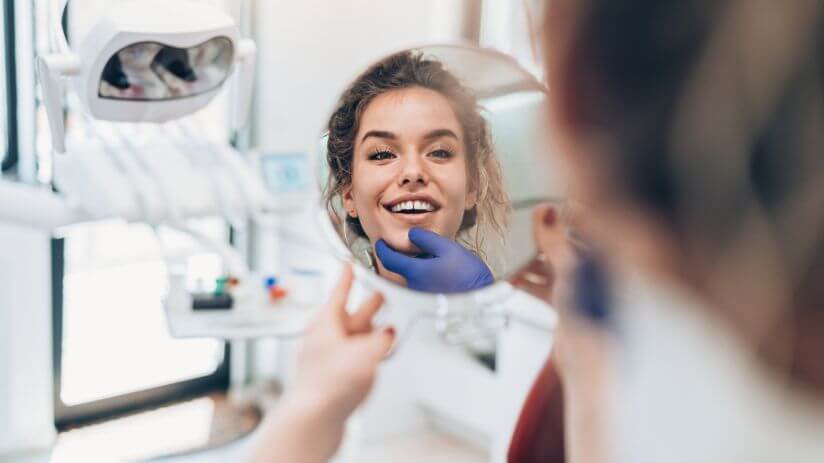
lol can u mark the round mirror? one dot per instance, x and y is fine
(429, 166)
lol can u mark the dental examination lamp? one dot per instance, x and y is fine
(142, 62)
(156, 61)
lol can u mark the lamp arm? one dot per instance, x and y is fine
(51, 70)
(36, 207)
(58, 35)
(244, 82)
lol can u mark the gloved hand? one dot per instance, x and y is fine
(446, 267)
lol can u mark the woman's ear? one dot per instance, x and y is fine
(349, 202)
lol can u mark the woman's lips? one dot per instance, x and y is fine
(412, 210)
(418, 201)
(413, 219)
(412, 206)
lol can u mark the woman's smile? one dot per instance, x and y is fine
(418, 210)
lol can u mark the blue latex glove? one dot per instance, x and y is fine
(446, 267)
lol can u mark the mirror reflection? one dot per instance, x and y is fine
(420, 159)
(150, 71)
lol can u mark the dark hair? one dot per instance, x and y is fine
(713, 124)
(412, 69)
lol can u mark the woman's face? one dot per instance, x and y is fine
(409, 168)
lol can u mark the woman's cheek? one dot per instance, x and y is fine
(457, 191)
(366, 189)
(369, 220)
(371, 187)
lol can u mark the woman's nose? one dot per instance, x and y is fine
(414, 171)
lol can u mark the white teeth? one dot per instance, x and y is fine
(413, 206)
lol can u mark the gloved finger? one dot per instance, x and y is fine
(395, 261)
(361, 321)
(430, 242)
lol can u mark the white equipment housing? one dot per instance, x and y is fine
(142, 22)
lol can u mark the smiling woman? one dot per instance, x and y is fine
(408, 148)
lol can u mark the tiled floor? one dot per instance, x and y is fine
(114, 442)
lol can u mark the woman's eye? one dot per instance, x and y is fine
(441, 154)
(381, 156)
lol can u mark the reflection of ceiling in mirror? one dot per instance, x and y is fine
(521, 146)
(488, 74)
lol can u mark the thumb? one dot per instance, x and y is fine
(394, 261)
(379, 343)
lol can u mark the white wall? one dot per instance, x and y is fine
(310, 49)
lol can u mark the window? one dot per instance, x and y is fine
(515, 27)
(112, 350)
(8, 94)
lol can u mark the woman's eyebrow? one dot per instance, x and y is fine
(439, 133)
(379, 134)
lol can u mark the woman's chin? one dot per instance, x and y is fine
(402, 244)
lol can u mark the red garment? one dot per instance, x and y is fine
(539, 434)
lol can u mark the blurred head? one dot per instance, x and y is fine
(408, 147)
(692, 132)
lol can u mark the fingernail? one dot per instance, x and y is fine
(550, 217)
(390, 330)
